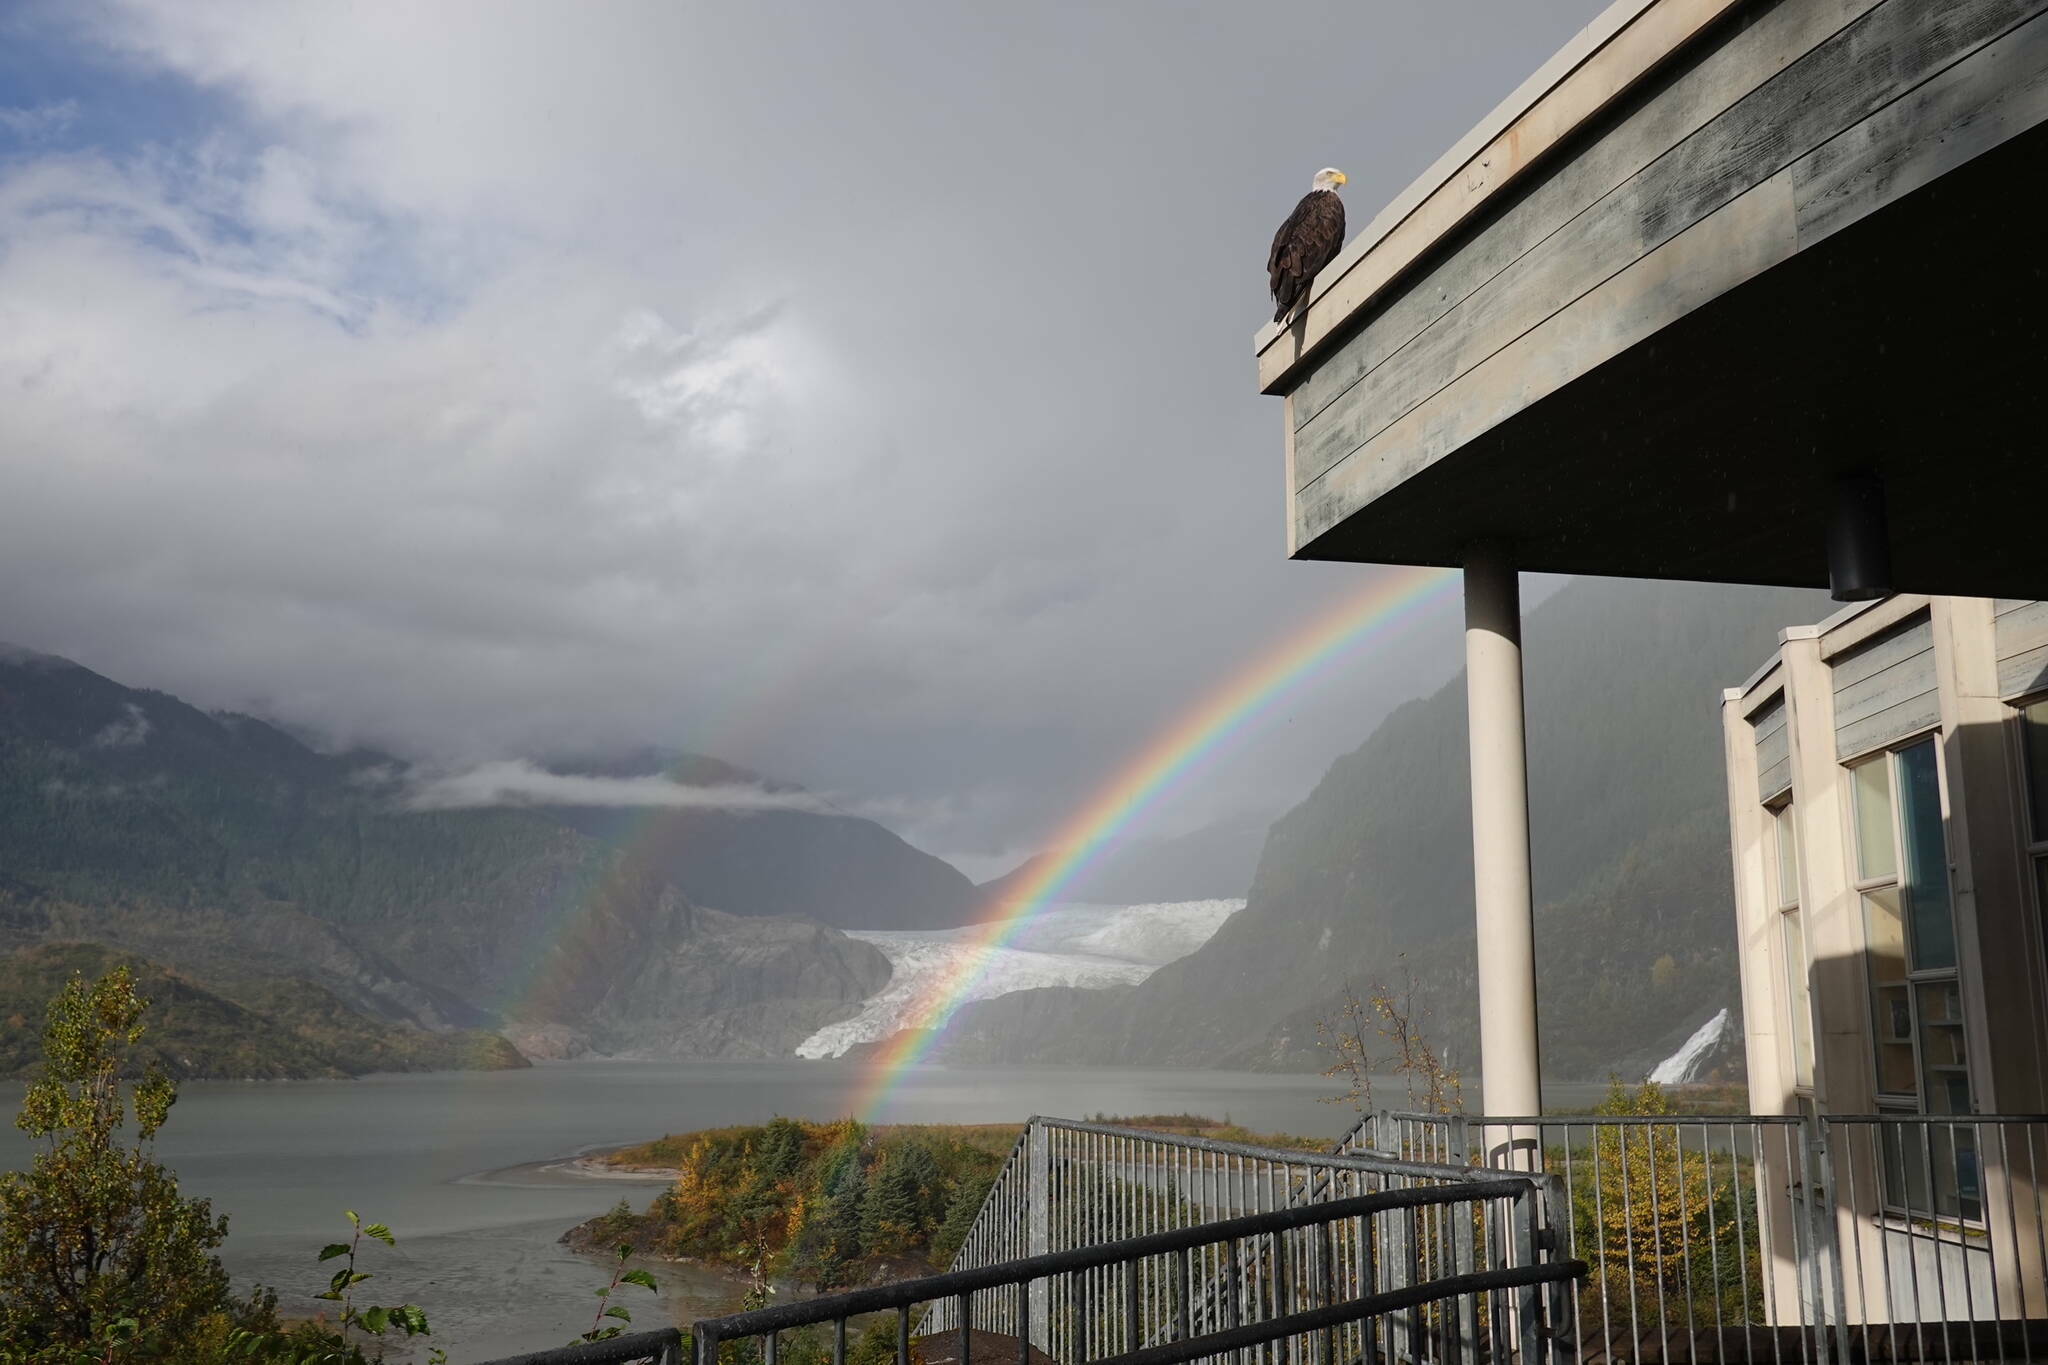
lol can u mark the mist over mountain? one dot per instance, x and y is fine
(224, 849)
(1368, 880)
(1213, 862)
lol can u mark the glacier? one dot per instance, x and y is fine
(1090, 946)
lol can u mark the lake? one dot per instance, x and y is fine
(465, 1166)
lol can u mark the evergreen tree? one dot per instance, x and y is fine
(900, 1209)
(832, 1242)
(969, 1194)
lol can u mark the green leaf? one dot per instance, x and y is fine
(332, 1250)
(334, 1294)
(381, 1233)
(340, 1281)
(639, 1277)
(375, 1320)
(412, 1318)
(352, 1217)
(619, 1311)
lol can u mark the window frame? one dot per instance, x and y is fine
(2033, 841)
(1900, 1170)
(1915, 976)
(1796, 978)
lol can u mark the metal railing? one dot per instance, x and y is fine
(1313, 1282)
(664, 1347)
(1071, 1184)
(1940, 1220)
(1781, 1237)
(1670, 1216)
(1705, 1238)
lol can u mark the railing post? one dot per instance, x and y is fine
(1528, 1299)
(1553, 1245)
(1038, 1227)
(1828, 1243)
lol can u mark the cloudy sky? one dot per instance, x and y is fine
(857, 392)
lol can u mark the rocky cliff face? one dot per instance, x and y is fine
(645, 973)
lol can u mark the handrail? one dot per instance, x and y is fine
(1371, 1164)
(663, 1346)
(1350, 1311)
(951, 1284)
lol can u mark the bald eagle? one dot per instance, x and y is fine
(1306, 242)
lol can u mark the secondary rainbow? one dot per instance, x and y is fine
(1390, 598)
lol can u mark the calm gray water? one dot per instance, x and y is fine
(460, 1165)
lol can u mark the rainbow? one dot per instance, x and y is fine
(1200, 732)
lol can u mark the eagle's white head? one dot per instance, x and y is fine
(1329, 178)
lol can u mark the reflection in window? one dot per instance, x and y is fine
(1934, 928)
(1921, 1054)
(1876, 849)
(1890, 1001)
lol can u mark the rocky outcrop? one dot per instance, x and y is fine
(650, 975)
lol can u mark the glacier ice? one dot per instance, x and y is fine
(1090, 946)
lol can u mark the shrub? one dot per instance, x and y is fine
(98, 1249)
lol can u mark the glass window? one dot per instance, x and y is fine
(2034, 735)
(2041, 893)
(1798, 1000)
(1942, 1059)
(1934, 930)
(1876, 854)
(1890, 1000)
(1916, 998)
(1788, 855)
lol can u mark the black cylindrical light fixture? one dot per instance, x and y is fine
(1859, 548)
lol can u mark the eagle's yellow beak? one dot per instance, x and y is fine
(1343, 179)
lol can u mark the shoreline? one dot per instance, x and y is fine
(574, 1168)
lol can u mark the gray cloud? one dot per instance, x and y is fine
(520, 783)
(857, 393)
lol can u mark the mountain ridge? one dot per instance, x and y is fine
(1367, 881)
(222, 848)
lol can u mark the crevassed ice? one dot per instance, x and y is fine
(1089, 946)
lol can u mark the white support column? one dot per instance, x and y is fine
(1508, 1065)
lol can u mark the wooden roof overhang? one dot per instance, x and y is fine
(1711, 259)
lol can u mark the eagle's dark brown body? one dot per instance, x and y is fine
(1305, 243)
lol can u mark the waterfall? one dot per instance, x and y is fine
(1685, 1064)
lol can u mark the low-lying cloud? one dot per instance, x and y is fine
(126, 731)
(515, 782)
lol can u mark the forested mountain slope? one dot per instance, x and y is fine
(1368, 880)
(219, 846)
